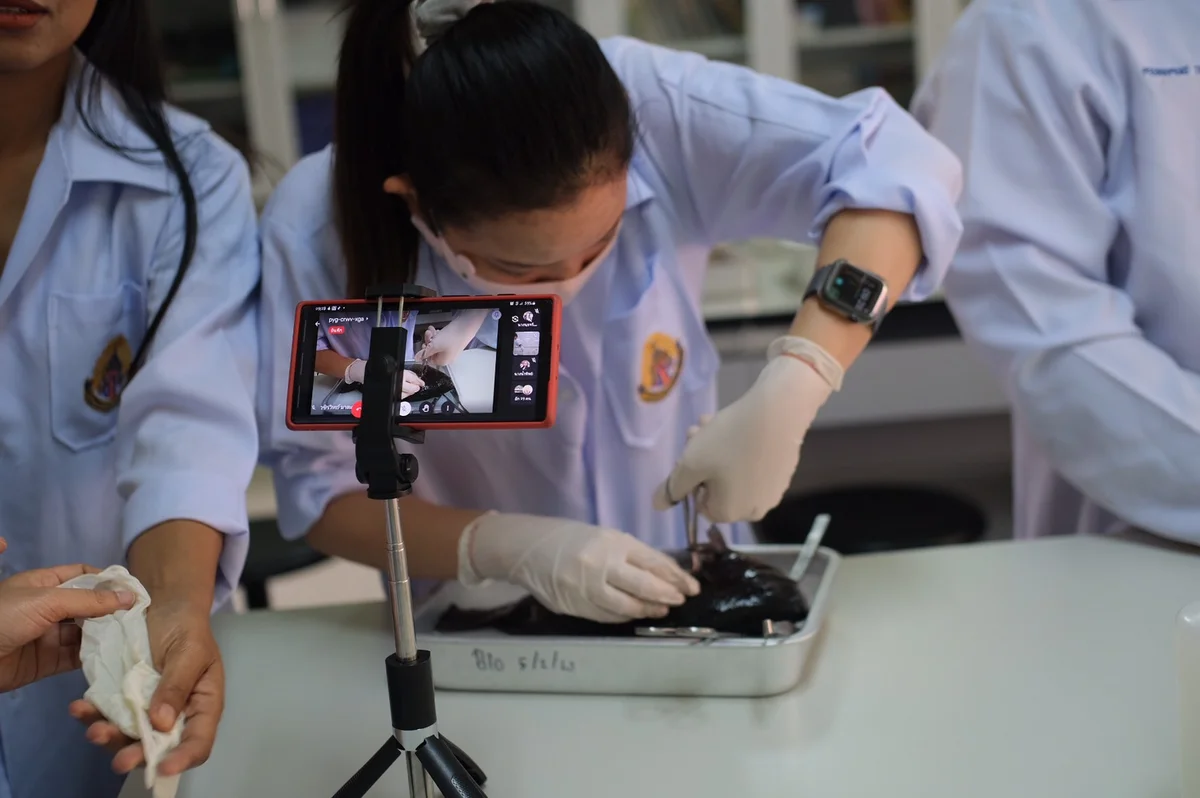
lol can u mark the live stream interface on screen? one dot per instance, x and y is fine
(451, 361)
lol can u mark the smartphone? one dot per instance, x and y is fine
(469, 362)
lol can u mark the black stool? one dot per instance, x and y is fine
(876, 518)
(270, 556)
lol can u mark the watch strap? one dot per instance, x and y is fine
(818, 279)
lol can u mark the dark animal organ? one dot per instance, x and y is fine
(437, 383)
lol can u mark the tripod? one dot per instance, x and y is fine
(430, 758)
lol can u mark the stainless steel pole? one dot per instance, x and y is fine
(401, 586)
(403, 628)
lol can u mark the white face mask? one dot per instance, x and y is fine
(565, 289)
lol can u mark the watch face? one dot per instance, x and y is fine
(855, 290)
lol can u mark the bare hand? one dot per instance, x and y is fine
(193, 682)
(35, 643)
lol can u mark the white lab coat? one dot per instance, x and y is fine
(1078, 277)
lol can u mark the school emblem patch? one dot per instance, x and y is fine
(662, 363)
(102, 391)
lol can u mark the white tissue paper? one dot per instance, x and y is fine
(118, 665)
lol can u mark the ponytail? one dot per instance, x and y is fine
(377, 53)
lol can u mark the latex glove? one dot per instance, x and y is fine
(356, 372)
(121, 676)
(746, 455)
(410, 383)
(452, 339)
(34, 641)
(574, 568)
(192, 686)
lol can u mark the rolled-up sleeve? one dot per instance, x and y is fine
(310, 468)
(1029, 115)
(186, 433)
(745, 155)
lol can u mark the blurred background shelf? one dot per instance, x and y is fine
(312, 32)
(263, 72)
(288, 48)
(194, 91)
(810, 38)
(721, 47)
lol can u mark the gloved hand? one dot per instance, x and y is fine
(356, 372)
(34, 641)
(745, 455)
(451, 340)
(574, 568)
(410, 383)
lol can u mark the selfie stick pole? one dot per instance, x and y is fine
(389, 475)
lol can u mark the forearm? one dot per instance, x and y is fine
(452, 339)
(177, 561)
(353, 528)
(883, 242)
(467, 323)
(1120, 420)
(331, 364)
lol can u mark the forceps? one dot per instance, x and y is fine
(703, 635)
(691, 514)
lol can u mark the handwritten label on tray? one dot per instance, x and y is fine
(535, 660)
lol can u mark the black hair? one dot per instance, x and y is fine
(122, 45)
(514, 108)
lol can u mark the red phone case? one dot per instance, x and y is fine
(551, 388)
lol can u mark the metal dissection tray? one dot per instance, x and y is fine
(733, 667)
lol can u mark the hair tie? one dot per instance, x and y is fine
(434, 17)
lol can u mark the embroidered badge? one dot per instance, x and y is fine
(102, 391)
(662, 363)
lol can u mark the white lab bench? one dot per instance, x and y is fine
(1040, 670)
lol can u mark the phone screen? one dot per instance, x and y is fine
(468, 361)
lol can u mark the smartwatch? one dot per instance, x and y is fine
(849, 291)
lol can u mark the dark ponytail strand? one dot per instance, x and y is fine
(122, 45)
(379, 242)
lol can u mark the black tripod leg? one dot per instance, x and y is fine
(467, 762)
(362, 781)
(446, 771)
